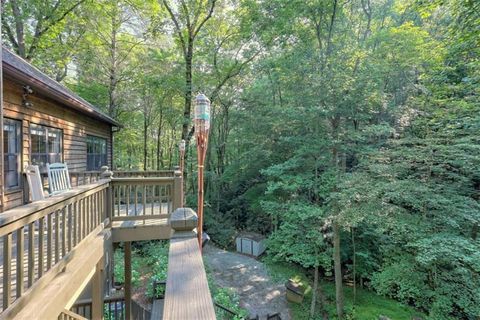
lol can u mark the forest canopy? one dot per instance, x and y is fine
(347, 131)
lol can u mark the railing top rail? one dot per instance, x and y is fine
(144, 171)
(84, 302)
(143, 180)
(13, 215)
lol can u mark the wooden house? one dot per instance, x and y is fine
(44, 122)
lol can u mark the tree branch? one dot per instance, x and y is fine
(39, 31)
(177, 27)
(209, 15)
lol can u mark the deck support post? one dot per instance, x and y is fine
(128, 280)
(97, 291)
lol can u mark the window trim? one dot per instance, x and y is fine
(62, 156)
(104, 154)
(19, 158)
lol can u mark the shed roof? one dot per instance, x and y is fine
(251, 235)
(19, 69)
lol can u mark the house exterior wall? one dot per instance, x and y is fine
(44, 111)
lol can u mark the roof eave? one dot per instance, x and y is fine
(56, 95)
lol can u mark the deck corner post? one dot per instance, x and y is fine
(177, 190)
(107, 174)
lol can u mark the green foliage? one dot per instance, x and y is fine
(156, 258)
(119, 268)
(368, 304)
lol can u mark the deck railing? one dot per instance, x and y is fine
(142, 198)
(35, 237)
(114, 309)
(68, 315)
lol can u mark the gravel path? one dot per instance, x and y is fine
(249, 279)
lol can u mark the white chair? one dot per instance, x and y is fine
(35, 183)
(58, 178)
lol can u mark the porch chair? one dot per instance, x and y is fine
(34, 183)
(58, 178)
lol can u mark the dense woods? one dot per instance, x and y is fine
(345, 131)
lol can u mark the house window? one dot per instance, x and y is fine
(46, 145)
(12, 150)
(96, 152)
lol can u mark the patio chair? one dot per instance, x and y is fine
(58, 178)
(35, 183)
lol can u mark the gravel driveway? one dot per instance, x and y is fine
(249, 279)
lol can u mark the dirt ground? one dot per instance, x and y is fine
(249, 279)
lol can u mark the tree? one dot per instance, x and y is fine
(188, 22)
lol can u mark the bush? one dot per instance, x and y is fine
(156, 257)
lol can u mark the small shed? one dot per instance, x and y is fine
(250, 243)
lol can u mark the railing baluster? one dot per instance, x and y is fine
(118, 199)
(136, 199)
(49, 241)
(7, 270)
(78, 223)
(41, 231)
(64, 231)
(31, 253)
(152, 197)
(89, 214)
(71, 230)
(20, 265)
(94, 210)
(144, 199)
(159, 199)
(127, 189)
(84, 218)
(57, 236)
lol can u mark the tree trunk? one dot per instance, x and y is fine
(188, 91)
(338, 270)
(113, 71)
(354, 258)
(18, 28)
(145, 151)
(159, 144)
(314, 292)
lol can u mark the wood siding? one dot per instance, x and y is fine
(76, 126)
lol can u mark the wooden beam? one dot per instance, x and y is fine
(131, 231)
(128, 280)
(187, 294)
(97, 292)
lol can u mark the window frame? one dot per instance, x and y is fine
(104, 154)
(43, 168)
(18, 154)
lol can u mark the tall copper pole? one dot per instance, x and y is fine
(181, 147)
(202, 128)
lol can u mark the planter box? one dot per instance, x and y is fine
(295, 291)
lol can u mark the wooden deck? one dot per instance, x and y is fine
(52, 249)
